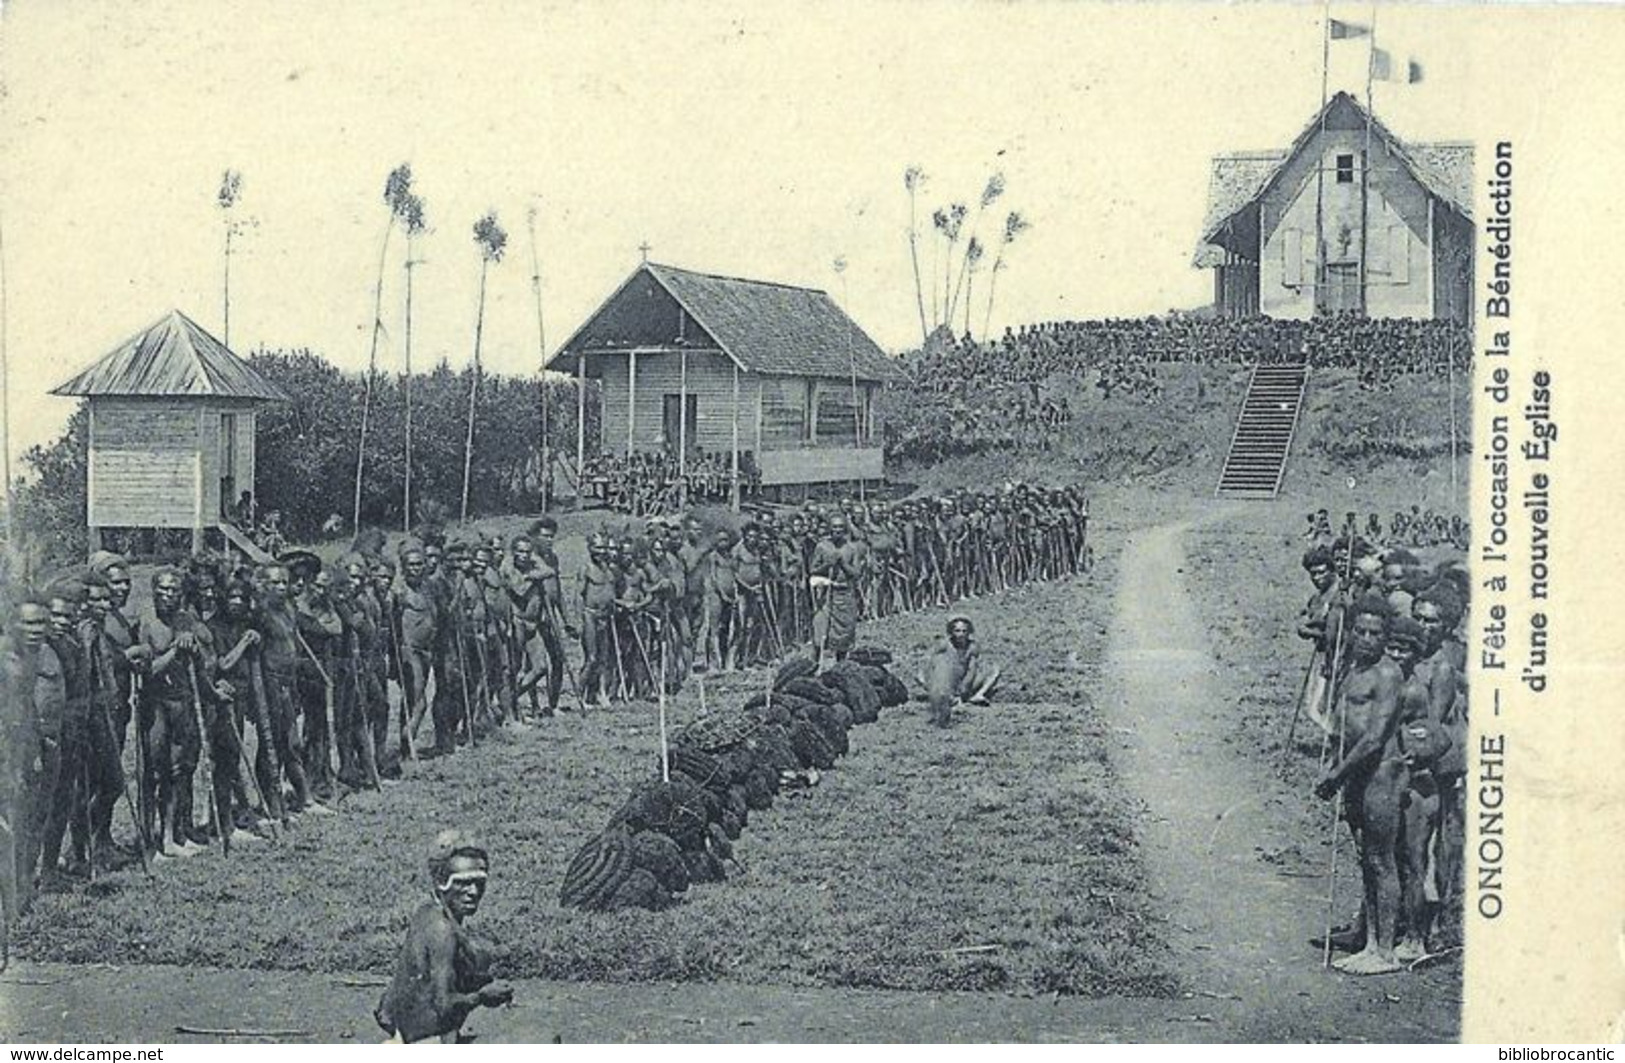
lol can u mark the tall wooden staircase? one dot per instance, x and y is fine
(1262, 441)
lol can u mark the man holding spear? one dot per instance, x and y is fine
(1370, 771)
(417, 620)
(169, 714)
(278, 669)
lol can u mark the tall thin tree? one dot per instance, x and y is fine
(541, 369)
(397, 186)
(231, 190)
(973, 265)
(1014, 225)
(491, 240)
(990, 195)
(412, 219)
(913, 181)
(948, 222)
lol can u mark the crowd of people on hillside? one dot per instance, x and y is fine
(1387, 685)
(1032, 353)
(253, 695)
(1010, 392)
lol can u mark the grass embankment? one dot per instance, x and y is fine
(1000, 855)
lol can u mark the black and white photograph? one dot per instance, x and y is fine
(662, 522)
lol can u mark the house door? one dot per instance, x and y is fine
(228, 463)
(673, 430)
(1341, 291)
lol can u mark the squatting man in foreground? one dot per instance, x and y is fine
(442, 972)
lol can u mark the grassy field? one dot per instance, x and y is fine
(1000, 855)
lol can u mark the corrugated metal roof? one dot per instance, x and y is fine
(1239, 178)
(173, 357)
(768, 328)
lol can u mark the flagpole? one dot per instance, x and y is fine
(1320, 160)
(1365, 170)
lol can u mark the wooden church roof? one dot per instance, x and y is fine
(761, 326)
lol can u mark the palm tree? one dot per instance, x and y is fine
(990, 194)
(231, 190)
(397, 186)
(913, 179)
(410, 211)
(491, 239)
(949, 222)
(973, 263)
(1014, 225)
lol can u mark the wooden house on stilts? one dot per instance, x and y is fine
(172, 416)
(777, 377)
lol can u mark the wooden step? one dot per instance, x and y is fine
(1265, 426)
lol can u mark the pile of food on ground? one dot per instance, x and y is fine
(672, 833)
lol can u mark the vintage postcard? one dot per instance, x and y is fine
(796, 522)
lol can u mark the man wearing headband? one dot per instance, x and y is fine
(441, 972)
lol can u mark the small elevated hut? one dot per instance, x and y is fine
(778, 378)
(171, 431)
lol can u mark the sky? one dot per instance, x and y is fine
(762, 139)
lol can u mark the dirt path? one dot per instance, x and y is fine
(1239, 924)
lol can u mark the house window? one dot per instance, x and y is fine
(1345, 169)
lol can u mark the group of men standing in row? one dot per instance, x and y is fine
(1387, 684)
(301, 653)
(276, 678)
(676, 599)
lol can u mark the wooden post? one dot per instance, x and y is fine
(90, 483)
(682, 426)
(760, 388)
(736, 440)
(631, 400)
(581, 417)
(197, 480)
(1433, 307)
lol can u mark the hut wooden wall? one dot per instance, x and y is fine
(710, 380)
(144, 464)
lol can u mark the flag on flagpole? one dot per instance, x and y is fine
(1344, 31)
(1382, 65)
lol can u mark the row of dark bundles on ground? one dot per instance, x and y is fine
(724, 766)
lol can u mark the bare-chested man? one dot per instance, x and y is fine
(834, 565)
(597, 593)
(1371, 774)
(180, 673)
(442, 972)
(1318, 623)
(721, 598)
(957, 675)
(1438, 610)
(1422, 740)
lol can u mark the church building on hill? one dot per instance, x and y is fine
(1349, 218)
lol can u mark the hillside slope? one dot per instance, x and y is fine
(1355, 448)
